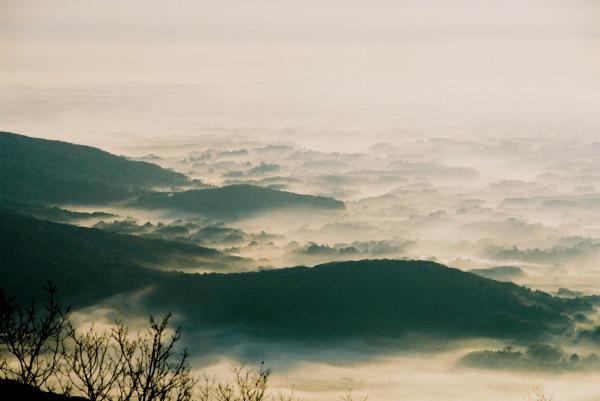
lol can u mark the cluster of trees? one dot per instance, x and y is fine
(41, 348)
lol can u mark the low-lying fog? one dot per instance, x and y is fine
(421, 369)
(528, 206)
(528, 202)
(457, 131)
(423, 378)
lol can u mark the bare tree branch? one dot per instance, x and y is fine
(35, 341)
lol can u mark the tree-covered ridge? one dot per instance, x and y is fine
(234, 201)
(362, 299)
(36, 171)
(33, 169)
(89, 263)
(369, 298)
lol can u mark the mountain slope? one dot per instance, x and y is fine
(33, 169)
(234, 201)
(368, 298)
(91, 263)
(12, 390)
(361, 299)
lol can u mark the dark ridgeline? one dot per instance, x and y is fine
(11, 390)
(370, 298)
(235, 201)
(39, 170)
(89, 264)
(367, 299)
(38, 173)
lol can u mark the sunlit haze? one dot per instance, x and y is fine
(430, 168)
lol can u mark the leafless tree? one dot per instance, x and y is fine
(247, 385)
(94, 363)
(6, 313)
(35, 341)
(205, 389)
(47, 352)
(349, 397)
(538, 394)
(151, 370)
(285, 396)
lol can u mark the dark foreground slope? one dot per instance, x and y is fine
(371, 298)
(13, 391)
(235, 201)
(88, 264)
(39, 170)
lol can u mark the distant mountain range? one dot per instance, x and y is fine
(369, 298)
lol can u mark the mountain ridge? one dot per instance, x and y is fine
(358, 299)
(234, 201)
(50, 171)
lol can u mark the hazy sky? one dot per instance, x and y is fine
(347, 64)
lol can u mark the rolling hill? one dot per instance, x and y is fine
(361, 299)
(39, 170)
(36, 172)
(368, 298)
(234, 201)
(88, 264)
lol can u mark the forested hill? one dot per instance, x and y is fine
(36, 172)
(89, 264)
(369, 298)
(39, 170)
(235, 201)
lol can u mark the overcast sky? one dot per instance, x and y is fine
(483, 60)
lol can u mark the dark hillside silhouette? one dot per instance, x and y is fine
(33, 169)
(86, 263)
(234, 201)
(369, 298)
(11, 390)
